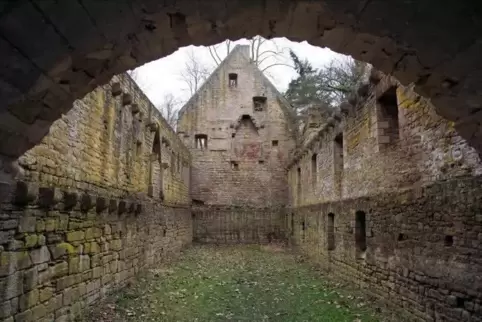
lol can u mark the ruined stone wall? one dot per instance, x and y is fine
(238, 225)
(62, 252)
(247, 149)
(102, 197)
(377, 157)
(423, 247)
(106, 142)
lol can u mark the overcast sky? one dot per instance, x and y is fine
(162, 76)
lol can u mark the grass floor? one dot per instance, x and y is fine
(238, 283)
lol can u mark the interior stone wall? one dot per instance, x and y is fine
(63, 250)
(428, 149)
(238, 225)
(423, 247)
(106, 143)
(103, 196)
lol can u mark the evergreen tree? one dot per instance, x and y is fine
(324, 88)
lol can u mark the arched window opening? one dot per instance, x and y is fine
(155, 168)
(330, 231)
(201, 141)
(360, 233)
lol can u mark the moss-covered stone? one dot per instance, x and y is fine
(31, 240)
(75, 235)
(94, 248)
(12, 261)
(51, 224)
(40, 226)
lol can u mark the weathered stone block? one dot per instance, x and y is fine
(41, 255)
(31, 240)
(115, 245)
(13, 261)
(46, 294)
(27, 224)
(25, 316)
(65, 282)
(5, 310)
(30, 279)
(29, 300)
(70, 295)
(40, 225)
(38, 312)
(9, 224)
(75, 236)
(51, 224)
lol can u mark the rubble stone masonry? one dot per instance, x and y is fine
(102, 197)
(387, 196)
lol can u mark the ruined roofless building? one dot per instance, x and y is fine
(239, 131)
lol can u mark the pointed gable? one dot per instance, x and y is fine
(225, 75)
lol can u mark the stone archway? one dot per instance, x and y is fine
(56, 51)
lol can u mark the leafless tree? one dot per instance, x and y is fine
(194, 72)
(169, 109)
(264, 53)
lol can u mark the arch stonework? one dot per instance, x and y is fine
(54, 52)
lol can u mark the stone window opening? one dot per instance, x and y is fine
(233, 80)
(138, 148)
(314, 170)
(330, 231)
(388, 123)
(201, 141)
(292, 224)
(234, 165)
(274, 143)
(259, 103)
(449, 240)
(360, 233)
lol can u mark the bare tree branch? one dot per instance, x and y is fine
(276, 64)
(169, 109)
(194, 72)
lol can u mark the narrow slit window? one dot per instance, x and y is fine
(330, 233)
(298, 184)
(233, 80)
(274, 143)
(360, 232)
(201, 141)
(314, 170)
(259, 103)
(388, 123)
(338, 161)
